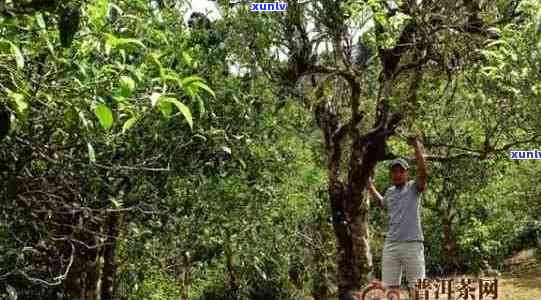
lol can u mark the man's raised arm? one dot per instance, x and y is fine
(374, 195)
(421, 163)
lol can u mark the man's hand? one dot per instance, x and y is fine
(413, 140)
(421, 163)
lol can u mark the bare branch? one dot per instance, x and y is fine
(56, 280)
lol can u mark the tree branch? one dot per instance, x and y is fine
(56, 280)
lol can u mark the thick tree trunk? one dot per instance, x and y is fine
(82, 280)
(92, 275)
(185, 278)
(350, 223)
(349, 202)
(231, 272)
(108, 279)
(350, 217)
(449, 247)
(347, 259)
(81, 283)
(445, 209)
(354, 258)
(321, 284)
(109, 283)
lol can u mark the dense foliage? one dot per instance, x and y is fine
(143, 156)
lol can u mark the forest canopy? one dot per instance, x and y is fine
(151, 149)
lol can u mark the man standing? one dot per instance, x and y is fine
(403, 247)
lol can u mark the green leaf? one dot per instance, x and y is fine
(204, 139)
(201, 105)
(116, 204)
(91, 153)
(187, 58)
(190, 79)
(20, 103)
(129, 124)
(498, 42)
(113, 42)
(170, 75)
(126, 43)
(97, 12)
(242, 163)
(16, 52)
(155, 58)
(83, 118)
(115, 7)
(181, 107)
(18, 56)
(260, 271)
(40, 21)
(205, 87)
(127, 86)
(105, 116)
(192, 83)
(166, 108)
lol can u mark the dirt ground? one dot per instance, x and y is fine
(520, 281)
(523, 281)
